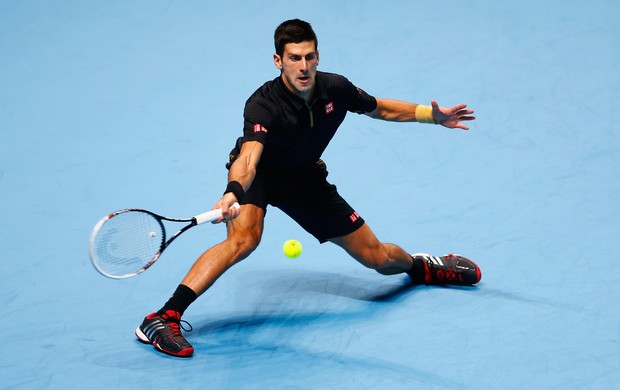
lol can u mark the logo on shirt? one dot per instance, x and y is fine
(354, 217)
(329, 108)
(258, 128)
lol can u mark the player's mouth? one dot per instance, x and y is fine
(304, 79)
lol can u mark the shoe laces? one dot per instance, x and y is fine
(175, 322)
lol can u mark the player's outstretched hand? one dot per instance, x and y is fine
(453, 116)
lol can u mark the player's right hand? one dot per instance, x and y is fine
(226, 203)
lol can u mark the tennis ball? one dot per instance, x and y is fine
(292, 248)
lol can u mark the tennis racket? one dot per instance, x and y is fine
(129, 241)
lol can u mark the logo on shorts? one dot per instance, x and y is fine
(329, 108)
(258, 128)
(354, 217)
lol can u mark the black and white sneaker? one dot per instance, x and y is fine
(164, 332)
(449, 269)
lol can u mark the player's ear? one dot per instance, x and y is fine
(277, 60)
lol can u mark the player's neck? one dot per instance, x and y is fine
(307, 96)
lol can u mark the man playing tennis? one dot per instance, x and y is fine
(288, 123)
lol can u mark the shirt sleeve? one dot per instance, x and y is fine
(360, 102)
(257, 120)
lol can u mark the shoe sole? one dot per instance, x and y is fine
(142, 337)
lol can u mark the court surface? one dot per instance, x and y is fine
(107, 105)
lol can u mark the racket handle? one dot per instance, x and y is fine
(212, 215)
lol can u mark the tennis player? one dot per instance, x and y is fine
(288, 123)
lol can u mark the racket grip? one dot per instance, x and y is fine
(212, 215)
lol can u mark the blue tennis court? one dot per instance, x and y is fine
(107, 105)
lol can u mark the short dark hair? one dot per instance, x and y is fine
(293, 31)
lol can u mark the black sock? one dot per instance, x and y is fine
(180, 300)
(417, 271)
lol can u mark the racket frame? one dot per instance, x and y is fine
(199, 219)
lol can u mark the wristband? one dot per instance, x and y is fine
(236, 188)
(424, 114)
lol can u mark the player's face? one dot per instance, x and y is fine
(298, 65)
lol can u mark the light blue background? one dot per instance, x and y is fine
(113, 104)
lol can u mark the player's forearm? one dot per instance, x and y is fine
(243, 169)
(242, 172)
(395, 110)
(239, 181)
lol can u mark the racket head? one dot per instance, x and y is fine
(126, 243)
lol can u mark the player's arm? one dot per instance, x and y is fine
(240, 177)
(243, 169)
(401, 111)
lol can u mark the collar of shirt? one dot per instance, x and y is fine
(319, 92)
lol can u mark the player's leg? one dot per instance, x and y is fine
(244, 235)
(390, 259)
(316, 205)
(163, 328)
(363, 246)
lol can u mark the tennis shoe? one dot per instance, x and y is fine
(164, 332)
(449, 269)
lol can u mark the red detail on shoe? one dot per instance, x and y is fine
(173, 323)
(176, 329)
(427, 273)
(151, 316)
(451, 269)
(478, 271)
(172, 314)
(185, 352)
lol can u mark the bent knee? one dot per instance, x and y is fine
(375, 258)
(244, 243)
(385, 260)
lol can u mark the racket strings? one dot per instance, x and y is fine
(127, 242)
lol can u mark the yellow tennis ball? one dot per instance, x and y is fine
(292, 248)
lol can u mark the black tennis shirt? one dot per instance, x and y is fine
(294, 133)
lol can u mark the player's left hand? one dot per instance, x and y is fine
(453, 116)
